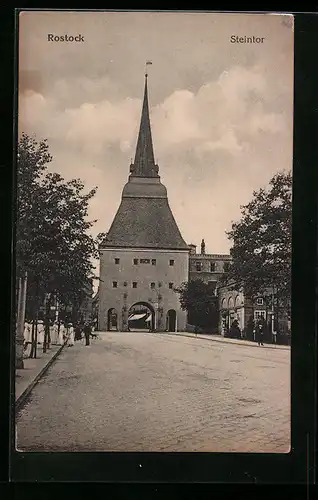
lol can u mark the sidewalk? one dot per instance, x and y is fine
(27, 378)
(226, 340)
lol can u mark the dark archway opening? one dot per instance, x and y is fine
(112, 320)
(171, 320)
(141, 317)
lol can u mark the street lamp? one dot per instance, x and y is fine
(157, 308)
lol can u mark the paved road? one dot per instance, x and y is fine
(155, 392)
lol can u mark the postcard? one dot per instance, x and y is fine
(154, 222)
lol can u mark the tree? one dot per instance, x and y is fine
(199, 300)
(261, 249)
(32, 160)
(53, 241)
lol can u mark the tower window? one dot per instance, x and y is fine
(134, 284)
(125, 283)
(135, 262)
(114, 284)
(260, 301)
(212, 267)
(171, 262)
(116, 261)
(198, 266)
(152, 285)
(159, 284)
(153, 262)
(170, 285)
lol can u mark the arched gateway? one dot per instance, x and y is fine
(141, 316)
(171, 320)
(112, 319)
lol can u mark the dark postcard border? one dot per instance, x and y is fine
(297, 466)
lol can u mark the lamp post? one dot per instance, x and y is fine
(125, 324)
(273, 316)
(157, 309)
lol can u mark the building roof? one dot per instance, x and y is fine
(144, 223)
(144, 218)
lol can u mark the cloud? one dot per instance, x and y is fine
(202, 141)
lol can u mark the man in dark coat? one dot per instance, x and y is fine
(235, 331)
(78, 332)
(260, 333)
(87, 332)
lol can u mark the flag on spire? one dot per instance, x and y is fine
(148, 63)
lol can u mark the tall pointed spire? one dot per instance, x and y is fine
(144, 164)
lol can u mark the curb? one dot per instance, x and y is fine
(22, 398)
(269, 346)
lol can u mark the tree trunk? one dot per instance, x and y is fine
(47, 323)
(19, 338)
(33, 339)
(36, 334)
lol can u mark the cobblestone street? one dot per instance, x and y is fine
(157, 392)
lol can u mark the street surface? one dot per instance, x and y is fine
(141, 391)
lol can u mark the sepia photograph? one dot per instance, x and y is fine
(153, 241)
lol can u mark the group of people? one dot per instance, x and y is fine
(258, 331)
(59, 333)
(86, 331)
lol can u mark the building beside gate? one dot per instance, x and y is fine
(235, 304)
(206, 266)
(143, 256)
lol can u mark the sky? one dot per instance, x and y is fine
(221, 112)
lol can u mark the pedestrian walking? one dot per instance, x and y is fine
(70, 334)
(87, 333)
(260, 334)
(40, 332)
(54, 333)
(78, 332)
(27, 333)
(27, 337)
(274, 337)
(60, 334)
